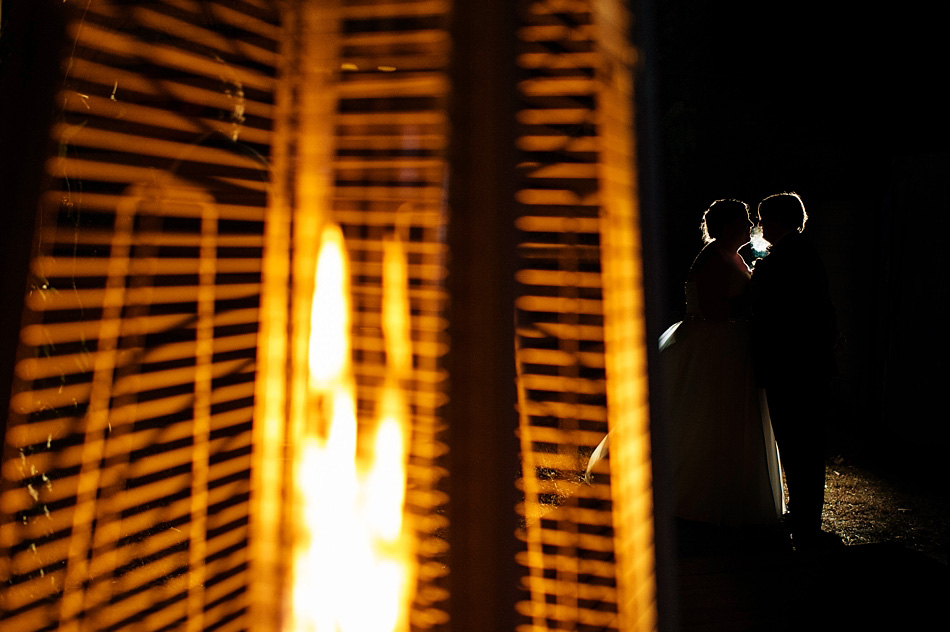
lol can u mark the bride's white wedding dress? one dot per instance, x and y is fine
(725, 461)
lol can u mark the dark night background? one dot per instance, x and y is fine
(842, 103)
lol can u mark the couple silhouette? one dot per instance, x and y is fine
(747, 375)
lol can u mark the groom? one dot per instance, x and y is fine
(794, 332)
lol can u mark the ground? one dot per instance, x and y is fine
(863, 507)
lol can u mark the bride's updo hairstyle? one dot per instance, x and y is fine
(719, 215)
(784, 209)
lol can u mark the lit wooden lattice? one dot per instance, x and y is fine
(161, 397)
(580, 350)
(128, 451)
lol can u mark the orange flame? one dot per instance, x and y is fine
(353, 565)
(330, 313)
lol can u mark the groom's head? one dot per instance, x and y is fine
(780, 214)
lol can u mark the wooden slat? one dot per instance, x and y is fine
(95, 37)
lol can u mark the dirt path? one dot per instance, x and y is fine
(864, 508)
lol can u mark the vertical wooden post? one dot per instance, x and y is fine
(481, 410)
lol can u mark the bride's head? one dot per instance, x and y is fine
(726, 220)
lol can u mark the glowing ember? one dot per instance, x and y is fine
(353, 565)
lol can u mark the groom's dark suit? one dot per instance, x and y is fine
(794, 332)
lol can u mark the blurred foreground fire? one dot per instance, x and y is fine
(353, 566)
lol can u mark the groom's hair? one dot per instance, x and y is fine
(785, 209)
(719, 215)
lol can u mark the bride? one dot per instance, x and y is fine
(725, 461)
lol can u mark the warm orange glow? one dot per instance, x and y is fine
(352, 546)
(396, 308)
(330, 313)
